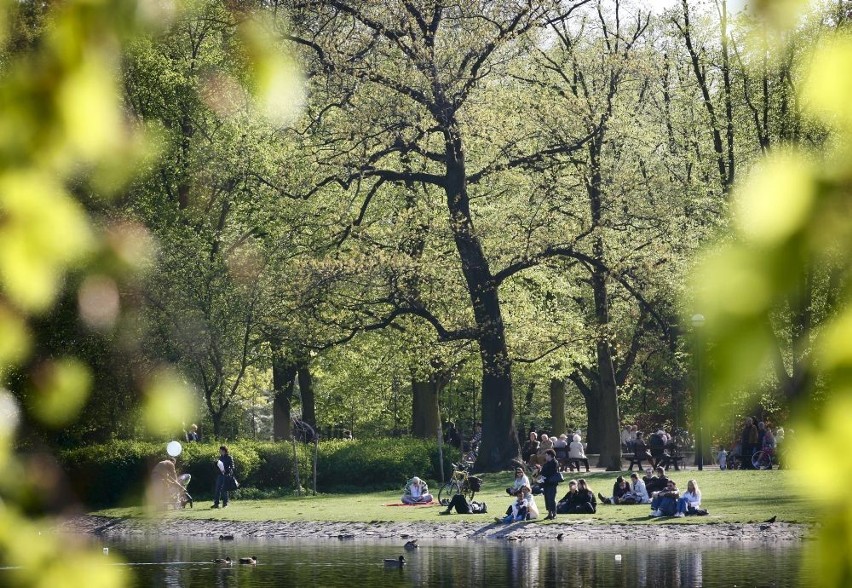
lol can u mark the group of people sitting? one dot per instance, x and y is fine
(569, 455)
(658, 490)
(659, 448)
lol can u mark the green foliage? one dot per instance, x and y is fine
(116, 473)
(791, 231)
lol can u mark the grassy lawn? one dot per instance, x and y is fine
(731, 497)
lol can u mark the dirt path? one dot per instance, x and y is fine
(467, 527)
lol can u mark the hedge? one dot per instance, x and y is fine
(115, 473)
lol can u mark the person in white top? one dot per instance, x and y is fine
(521, 480)
(416, 492)
(625, 437)
(689, 500)
(576, 449)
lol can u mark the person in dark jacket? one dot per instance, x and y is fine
(748, 442)
(579, 499)
(225, 464)
(549, 483)
(656, 483)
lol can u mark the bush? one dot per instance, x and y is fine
(115, 473)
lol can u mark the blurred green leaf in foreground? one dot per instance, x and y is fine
(65, 140)
(791, 218)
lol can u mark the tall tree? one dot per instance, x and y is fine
(433, 58)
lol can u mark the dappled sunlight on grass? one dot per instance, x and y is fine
(731, 497)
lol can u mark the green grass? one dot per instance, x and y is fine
(731, 497)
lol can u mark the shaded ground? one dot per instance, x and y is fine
(451, 527)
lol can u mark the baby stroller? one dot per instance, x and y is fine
(180, 497)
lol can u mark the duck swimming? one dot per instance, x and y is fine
(395, 563)
(411, 545)
(249, 560)
(226, 537)
(227, 561)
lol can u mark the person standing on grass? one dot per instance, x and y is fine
(225, 464)
(748, 442)
(548, 474)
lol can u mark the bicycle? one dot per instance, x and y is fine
(460, 482)
(762, 460)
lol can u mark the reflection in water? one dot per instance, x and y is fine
(185, 563)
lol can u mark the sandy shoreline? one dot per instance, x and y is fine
(465, 527)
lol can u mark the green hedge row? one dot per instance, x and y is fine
(115, 473)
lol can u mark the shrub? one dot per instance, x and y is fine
(116, 472)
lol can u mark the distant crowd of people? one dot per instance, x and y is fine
(654, 489)
(755, 436)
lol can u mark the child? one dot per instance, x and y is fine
(519, 509)
(722, 459)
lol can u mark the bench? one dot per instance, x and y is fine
(574, 463)
(637, 460)
(667, 461)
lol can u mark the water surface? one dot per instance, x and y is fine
(187, 563)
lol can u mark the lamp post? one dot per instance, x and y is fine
(697, 324)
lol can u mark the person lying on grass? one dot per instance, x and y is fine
(416, 492)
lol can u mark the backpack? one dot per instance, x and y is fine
(478, 507)
(475, 483)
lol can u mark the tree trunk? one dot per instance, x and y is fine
(216, 417)
(283, 376)
(557, 406)
(593, 421)
(499, 445)
(306, 388)
(424, 408)
(608, 418)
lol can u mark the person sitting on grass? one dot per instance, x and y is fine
(690, 502)
(519, 510)
(664, 502)
(521, 480)
(638, 493)
(578, 500)
(416, 492)
(619, 489)
(656, 483)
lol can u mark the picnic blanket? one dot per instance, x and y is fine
(433, 503)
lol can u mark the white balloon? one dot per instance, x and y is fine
(174, 448)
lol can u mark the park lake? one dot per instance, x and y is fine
(187, 562)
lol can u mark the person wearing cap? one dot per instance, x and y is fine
(416, 492)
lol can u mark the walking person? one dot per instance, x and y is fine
(549, 474)
(225, 463)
